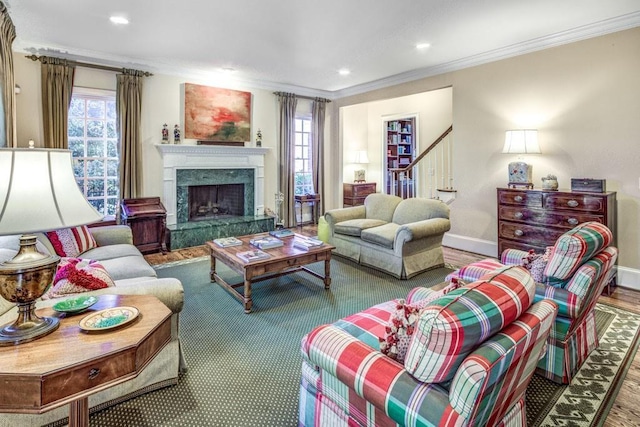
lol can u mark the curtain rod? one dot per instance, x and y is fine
(313, 98)
(88, 65)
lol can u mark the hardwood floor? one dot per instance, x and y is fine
(624, 411)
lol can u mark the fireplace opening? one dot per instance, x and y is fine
(215, 201)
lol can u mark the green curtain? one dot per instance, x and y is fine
(129, 111)
(317, 148)
(57, 89)
(7, 81)
(287, 130)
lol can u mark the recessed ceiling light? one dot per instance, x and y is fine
(344, 72)
(119, 20)
(423, 45)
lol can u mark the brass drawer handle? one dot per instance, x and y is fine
(572, 221)
(572, 203)
(93, 373)
(519, 233)
(518, 215)
(518, 198)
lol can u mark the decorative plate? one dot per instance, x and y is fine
(75, 305)
(108, 319)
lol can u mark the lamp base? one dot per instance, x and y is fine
(28, 326)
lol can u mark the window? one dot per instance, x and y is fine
(303, 177)
(94, 145)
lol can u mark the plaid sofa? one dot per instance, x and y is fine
(579, 267)
(347, 381)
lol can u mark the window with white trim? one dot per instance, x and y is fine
(93, 142)
(303, 178)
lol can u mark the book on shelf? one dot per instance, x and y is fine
(252, 255)
(225, 242)
(283, 232)
(306, 243)
(266, 242)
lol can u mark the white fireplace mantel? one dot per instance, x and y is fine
(182, 156)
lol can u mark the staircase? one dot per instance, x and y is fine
(437, 160)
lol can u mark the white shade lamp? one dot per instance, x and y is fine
(521, 141)
(38, 192)
(361, 158)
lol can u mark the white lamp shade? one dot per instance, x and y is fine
(361, 157)
(38, 192)
(522, 141)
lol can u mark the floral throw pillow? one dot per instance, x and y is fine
(76, 275)
(402, 321)
(71, 242)
(536, 263)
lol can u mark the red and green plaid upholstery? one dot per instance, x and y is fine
(474, 271)
(345, 382)
(455, 324)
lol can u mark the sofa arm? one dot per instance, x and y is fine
(112, 235)
(421, 229)
(168, 290)
(569, 304)
(371, 375)
(335, 216)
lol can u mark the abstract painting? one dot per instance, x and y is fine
(216, 114)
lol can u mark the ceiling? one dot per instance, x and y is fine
(300, 45)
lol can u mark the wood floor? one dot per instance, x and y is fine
(624, 411)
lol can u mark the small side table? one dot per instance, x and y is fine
(314, 201)
(147, 218)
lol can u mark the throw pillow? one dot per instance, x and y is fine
(76, 275)
(399, 330)
(71, 242)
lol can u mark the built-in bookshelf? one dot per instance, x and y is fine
(400, 149)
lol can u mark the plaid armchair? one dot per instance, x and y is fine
(463, 366)
(579, 267)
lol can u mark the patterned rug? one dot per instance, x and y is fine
(244, 370)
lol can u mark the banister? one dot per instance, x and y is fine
(424, 153)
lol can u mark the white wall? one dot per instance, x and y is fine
(584, 99)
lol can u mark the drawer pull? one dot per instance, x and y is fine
(93, 373)
(518, 215)
(572, 203)
(518, 198)
(519, 233)
(572, 221)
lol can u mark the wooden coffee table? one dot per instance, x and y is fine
(68, 365)
(282, 260)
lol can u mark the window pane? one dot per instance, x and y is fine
(112, 168)
(76, 128)
(95, 148)
(77, 147)
(112, 206)
(112, 187)
(305, 139)
(78, 168)
(95, 188)
(76, 109)
(95, 109)
(112, 149)
(299, 166)
(298, 125)
(95, 168)
(298, 153)
(98, 204)
(95, 128)
(111, 129)
(111, 110)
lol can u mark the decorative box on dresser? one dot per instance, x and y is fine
(353, 194)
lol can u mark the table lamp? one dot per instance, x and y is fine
(361, 158)
(38, 192)
(521, 141)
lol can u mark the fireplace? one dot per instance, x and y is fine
(215, 201)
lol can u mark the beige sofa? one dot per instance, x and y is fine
(402, 237)
(132, 276)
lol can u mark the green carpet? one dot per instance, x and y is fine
(244, 369)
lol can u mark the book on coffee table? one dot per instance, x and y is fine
(266, 242)
(225, 242)
(283, 232)
(252, 255)
(306, 243)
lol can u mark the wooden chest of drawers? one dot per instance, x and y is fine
(534, 219)
(355, 193)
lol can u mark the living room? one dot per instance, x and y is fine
(582, 95)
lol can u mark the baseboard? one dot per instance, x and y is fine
(627, 277)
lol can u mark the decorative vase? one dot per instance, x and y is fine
(549, 183)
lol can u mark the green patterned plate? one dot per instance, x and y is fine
(108, 319)
(75, 305)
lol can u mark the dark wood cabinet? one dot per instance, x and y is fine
(534, 219)
(353, 194)
(147, 218)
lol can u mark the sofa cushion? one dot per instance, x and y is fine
(102, 253)
(575, 247)
(71, 242)
(383, 235)
(455, 324)
(126, 267)
(75, 275)
(354, 227)
(419, 209)
(381, 206)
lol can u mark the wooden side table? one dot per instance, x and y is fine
(68, 365)
(314, 201)
(147, 218)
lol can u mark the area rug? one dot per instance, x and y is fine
(244, 369)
